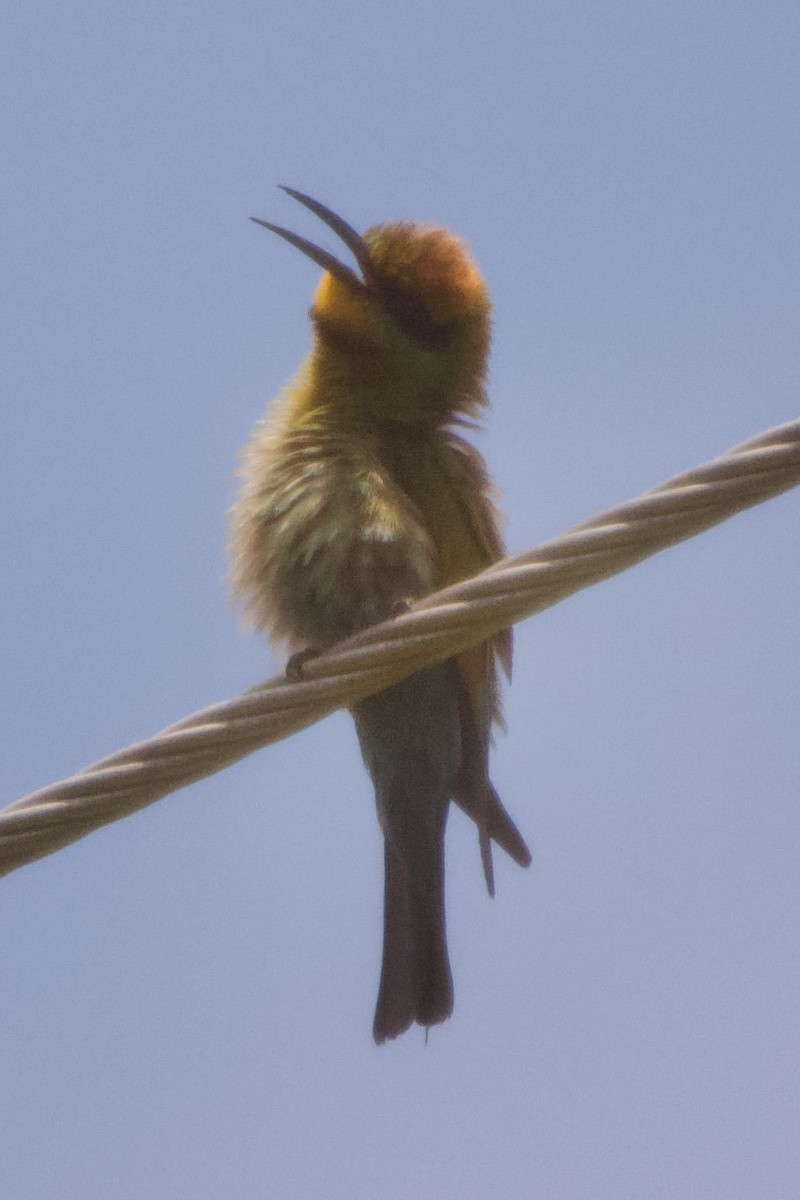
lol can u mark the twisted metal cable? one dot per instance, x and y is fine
(437, 627)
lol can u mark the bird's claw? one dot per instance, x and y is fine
(294, 667)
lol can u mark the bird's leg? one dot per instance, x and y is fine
(294, 667)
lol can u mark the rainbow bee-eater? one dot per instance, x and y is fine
(359, 496)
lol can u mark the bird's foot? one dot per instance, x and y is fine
(294, 667)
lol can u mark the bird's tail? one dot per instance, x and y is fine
(416, 984)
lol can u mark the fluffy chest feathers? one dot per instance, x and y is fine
(335, 526)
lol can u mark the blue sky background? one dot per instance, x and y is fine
(187, 996)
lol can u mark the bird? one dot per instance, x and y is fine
(359, 494)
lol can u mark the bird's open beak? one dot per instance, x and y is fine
(354, 242)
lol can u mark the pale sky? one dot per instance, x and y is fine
(187, 995)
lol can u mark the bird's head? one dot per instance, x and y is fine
(416, 304)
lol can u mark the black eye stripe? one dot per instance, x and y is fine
(411, 317)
